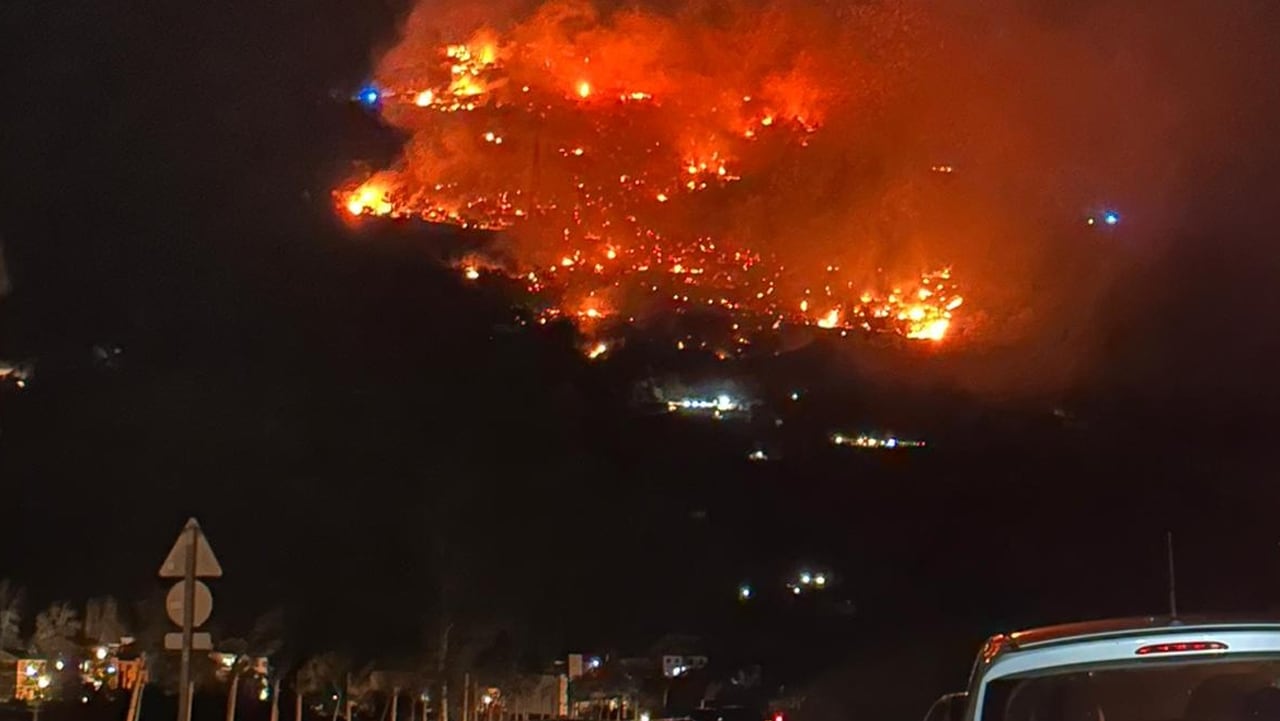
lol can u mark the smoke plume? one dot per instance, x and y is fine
(845, 148)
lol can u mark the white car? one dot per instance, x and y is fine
(1145, 669)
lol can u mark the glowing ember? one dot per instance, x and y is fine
(368, 198)
(830, 320)
(623, 192)
(934, 330)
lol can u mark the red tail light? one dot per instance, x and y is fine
(1182, 647)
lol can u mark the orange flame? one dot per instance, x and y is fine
(589, 143)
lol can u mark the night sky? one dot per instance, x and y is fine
(351, 424)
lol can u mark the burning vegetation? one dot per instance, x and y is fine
(637, 162)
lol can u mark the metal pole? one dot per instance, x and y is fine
(1173, 588)
(188, 621)
(135, 698)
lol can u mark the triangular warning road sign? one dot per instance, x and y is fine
(175, 564)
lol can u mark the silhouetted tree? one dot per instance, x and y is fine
(11, 598)
(263, 641)
(102, 622)
(322, 678)
(57, 629)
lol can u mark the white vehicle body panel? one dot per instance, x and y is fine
(1111, 642)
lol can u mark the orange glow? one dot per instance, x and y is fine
(466, 86)
(934, 330)
(715, 135)
(368, 198)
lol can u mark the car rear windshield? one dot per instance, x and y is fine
(1218, 689)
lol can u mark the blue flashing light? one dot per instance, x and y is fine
(369, 96)
(1111, 217)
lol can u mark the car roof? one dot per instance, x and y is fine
(1071, 632)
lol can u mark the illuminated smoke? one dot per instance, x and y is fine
(637, 159)
(817, 162)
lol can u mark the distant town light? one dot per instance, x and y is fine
(744, 592)
(820, 580)
(59, 664)
(100, 653)
(806, 578)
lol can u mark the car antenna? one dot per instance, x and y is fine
(1173, 587)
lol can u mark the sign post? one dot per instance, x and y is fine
(190, 558)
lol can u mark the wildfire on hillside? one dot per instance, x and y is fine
(637, 160)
